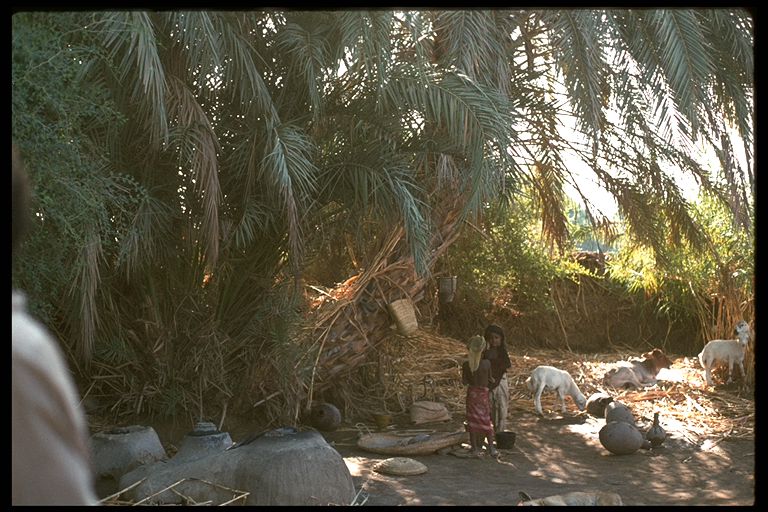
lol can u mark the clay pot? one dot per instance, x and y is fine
(617, 411)
(620, 438)
(382, 420)
(325, 417)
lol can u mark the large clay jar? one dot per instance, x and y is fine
(620, 438)
(292, 469)
(120, 450)
(203, 440)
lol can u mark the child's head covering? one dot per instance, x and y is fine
(495, 329)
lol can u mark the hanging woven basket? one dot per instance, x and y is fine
(405, 316)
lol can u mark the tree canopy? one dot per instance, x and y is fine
(186, 161)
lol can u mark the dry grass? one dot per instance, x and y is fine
(427, 367)
(236, 495)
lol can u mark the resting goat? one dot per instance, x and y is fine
(574, 499)
(637, 373)
(725, 351)
(549, 377)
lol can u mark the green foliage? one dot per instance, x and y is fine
(585, 235)
(507, 259)
(75, 192)
(187, 165)
(712, 287)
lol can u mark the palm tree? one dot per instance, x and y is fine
(265, 140)
(528, 71)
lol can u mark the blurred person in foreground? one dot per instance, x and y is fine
(50, 453)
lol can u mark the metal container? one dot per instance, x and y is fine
(446, 288)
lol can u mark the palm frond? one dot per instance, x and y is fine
(404, 195)
(131, 37)
(473, 42)
(368, 37)
(243, 69)
(644, 62)
(308, 52)
(415, 43)
(197, 34)
(576, 40)
(148, 232)
(200, 149)
(84, 290)
(549, 193)
(288, 170)
(255, 220)
(687, 60)
(733, 77)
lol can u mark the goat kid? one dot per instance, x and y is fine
(637, 373)
(549, 377)
(725, 351)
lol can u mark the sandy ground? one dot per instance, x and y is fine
(557, 454)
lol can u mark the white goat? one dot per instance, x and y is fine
(549, 377)
(725, 351)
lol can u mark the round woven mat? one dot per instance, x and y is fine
(400, 466)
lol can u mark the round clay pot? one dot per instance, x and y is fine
(325, 417)
(617, 411)
(620, 438)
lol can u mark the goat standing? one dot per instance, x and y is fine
(549, 377)
(726, 351)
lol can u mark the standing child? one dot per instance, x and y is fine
(476, 374)
(496, 353)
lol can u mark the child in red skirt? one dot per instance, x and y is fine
(476, 374)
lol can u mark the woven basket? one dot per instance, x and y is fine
(405, 316)
(400, 466)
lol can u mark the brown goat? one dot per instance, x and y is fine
(637, 373)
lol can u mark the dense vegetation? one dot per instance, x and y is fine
(194, 171)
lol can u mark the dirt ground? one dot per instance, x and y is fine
(557, 454)
(708, 457)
